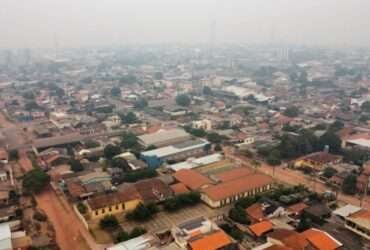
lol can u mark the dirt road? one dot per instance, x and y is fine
(24, 161)
(70, 233)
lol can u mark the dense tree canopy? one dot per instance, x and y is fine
(129, 118)
(35, 180)
(129, 141)
(115, 92)
(291, 111)
(111, 150)
(349, 184)
(76, 165)
(109, 222)
(183, 100)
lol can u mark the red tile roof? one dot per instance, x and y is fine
(297, 208)
(179, 188)
(321, 157)
(234, 174)
(255, 212)
(290, 238)
(321, 240)
(237, 186)
(191, 178)
(363, 214)
(261, 228)
(105, 200)
(213, 241)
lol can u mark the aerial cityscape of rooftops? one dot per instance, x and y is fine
(196, 146)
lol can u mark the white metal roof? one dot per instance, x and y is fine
(346, 210)
(139, 243)
(193, 163)
(174, 149)
(5, 237)
(360, 142)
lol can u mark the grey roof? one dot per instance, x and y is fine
(165, 135)
(5, 237)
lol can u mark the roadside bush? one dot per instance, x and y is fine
(109, 222)
(39, 216)
(142, 212)
(140, 174)
(181, 201)
(81, 208)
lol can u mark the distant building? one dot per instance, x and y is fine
(202, 124)
(113, 203)
(200, 234)
(359, 223)
(317, 161)
(230, 191)
(176, 152)
(164, 138)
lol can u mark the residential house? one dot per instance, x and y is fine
(359, 223)
(164, 138)
(317, 161)
(201, 234)
(113, 203)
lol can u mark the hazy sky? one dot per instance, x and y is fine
(38, 23)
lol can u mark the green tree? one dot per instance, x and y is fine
(158, 75)
(141, 213)
(109, 222)
(355, 155)
(28, 95)
(273, 160)
(336, 126)
(81, 208)
(76, 165)
(140, 174)
(207, 90)
(129, 118)
(35, 180)
(238, 214)
(111, 150)
(218, 148)
(31, 106)
(304, 224)
(128, 79)
(137, 231)
(129, 141)
(141, 103)
(214, 137)
(329, 172)
(91, 144)
(332, 140)
(122, 236)
(207, 148)
(120, 163)
(349, 184)
(291, 111)
(13, 155)
(366, 106)
(115, 92)
(183, 100)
